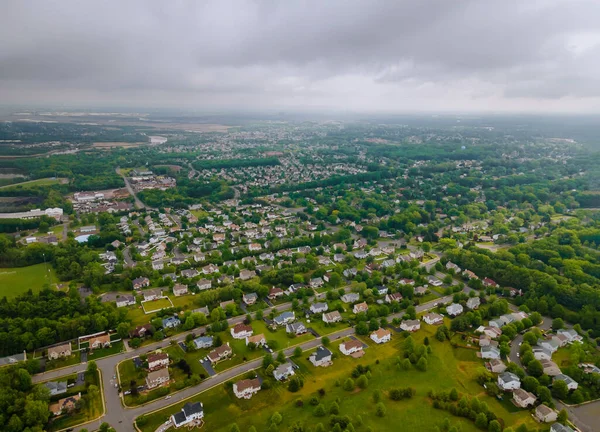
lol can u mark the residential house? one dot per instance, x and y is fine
(473, 303)
(381, 336)
(275, 293)
(141, 331)
(405, 281)
(549, 344)
(203, 342)
(247, 274)
(141, 282)
(571, 335)
(410, 325)
(490, 352)
(125, 300)
(241, 331)
(339, 258)
(157, 378)
(332, 317)
(351, 346)
(318, 307)
(432, 280)
(393, 297)
(541, 353)
(179, 290)
(550, 368)
(210, 269)
(171, 322)
(100, 341)
(285, 318)
(523, 398)
(557, 427)
(258, 340)
(56, 387)
(433, 318)
(545, 414)
(152, 294)
(296, 328)
(65, 405)
(508, 381)
(189, 413)
(189, 273)
(571, 383)
(157, 361)
(283, 371)
(454, 309)
(350, 273)
(220, 353)
(59, 351)
(489, 283)
(469, 274)
(421, 291)
(360, 307)
(204, 284)
(250, 298)
(246, 388)
(491, 332)
(350, 297)
(316, 282)
(496, 366)
(451, 266)
(321, 357)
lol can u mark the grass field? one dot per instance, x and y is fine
(18, 280)
(448, 368)
(38, 182)
(156, 305)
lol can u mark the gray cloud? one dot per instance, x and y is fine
(359, 55)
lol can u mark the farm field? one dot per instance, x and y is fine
(448, 368)
(18, 280)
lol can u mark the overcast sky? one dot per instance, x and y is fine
(388, 56)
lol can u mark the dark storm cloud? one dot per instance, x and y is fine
(371, 55)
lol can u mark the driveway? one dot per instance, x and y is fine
(207, 365)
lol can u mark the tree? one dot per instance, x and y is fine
(276, 418)
(535, 368)
(481, 421)
(267, 360)
(123, 330)
(320, 410)
(563, 416)
(362, 381)
(380, 409)
(494, 426)
(544, 395)
(349, 384)
(422, 364)
(325, 341)
(334, 408)
(297, 352)
(234, 428)
(560, 389)
(453, 394)
(557, 324)
(281, 357)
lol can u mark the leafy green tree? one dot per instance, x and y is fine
(380, 409)
(349, 384)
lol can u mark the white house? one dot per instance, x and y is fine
(523, 398)
(490, 352)
(360, 307)
(283, 371)
(381, 336)
(246, 388)
(545, 414)
(241, 331)
(473, 303)
(158, 360)
(410, 325)
(433, 319)
(189, 413)
(508, 381)
(454, 309)
(321, 357)
(319, 307)
(351, 346)
(571, 383)
(332, 317)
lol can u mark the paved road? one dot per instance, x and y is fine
(129, 262)
(138, 203)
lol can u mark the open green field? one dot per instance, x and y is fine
(157, 305)
(63, 362)
(18, 280)
(115, 348)
(448, 368)
(38, 182)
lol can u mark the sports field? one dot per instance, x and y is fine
(18, 280)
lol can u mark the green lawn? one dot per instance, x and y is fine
(32, 183)
(445, 371)
(63, 362)
(18, 280)
(157, 305)
(115, 348)
(325, 329)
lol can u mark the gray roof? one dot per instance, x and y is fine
(283, 317)
(321, 353)
(509, 377)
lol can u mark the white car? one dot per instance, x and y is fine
(168, 397)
